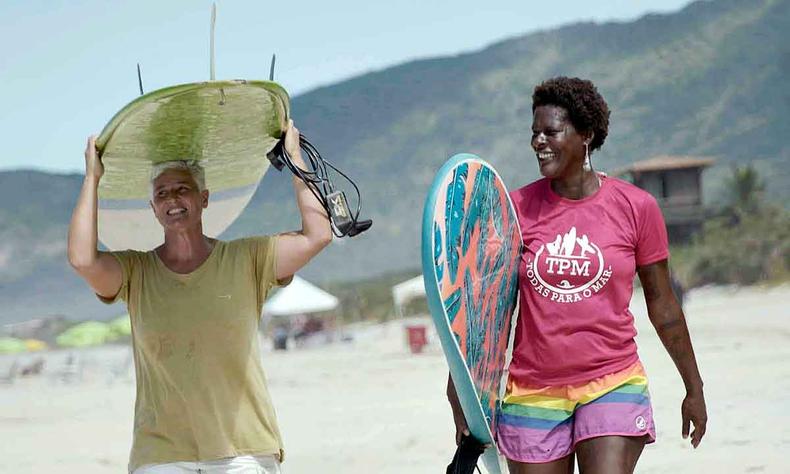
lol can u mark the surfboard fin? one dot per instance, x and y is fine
(212, 76)
(140, 79)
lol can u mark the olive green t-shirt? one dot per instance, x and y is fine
(201, 390)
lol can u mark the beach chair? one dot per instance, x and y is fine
(121, 371)
(71, 370)
(9, 377)
(34, 368)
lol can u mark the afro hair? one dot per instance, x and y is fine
(587, 110)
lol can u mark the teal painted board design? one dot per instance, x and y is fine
(471, 245)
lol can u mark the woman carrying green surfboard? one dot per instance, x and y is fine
(194, 302)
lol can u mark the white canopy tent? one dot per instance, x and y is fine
(406, 291)
(300, 297)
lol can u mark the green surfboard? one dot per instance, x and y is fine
(228, 126)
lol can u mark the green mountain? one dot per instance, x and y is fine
(708, 80)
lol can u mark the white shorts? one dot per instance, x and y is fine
(238, 465)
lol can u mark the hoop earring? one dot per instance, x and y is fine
(587, 162)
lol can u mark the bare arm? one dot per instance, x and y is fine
(458, 414)
(667, 318)
(295, 249)
(100, 269)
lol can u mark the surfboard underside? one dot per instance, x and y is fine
(227, 126)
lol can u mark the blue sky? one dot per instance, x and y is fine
(67, 66)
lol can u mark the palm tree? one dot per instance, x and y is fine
(745, 191)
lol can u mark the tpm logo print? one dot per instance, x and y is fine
(568, 269)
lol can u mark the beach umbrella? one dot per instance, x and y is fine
(11, 345)
(89, 333)
(34, 345)
(121, 327)
(300, 297)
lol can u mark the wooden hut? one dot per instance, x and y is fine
(676, 182)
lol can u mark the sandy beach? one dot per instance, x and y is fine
(369, 406)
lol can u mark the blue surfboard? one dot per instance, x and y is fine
(471, 244)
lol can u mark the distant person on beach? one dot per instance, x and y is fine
(576, 390)
(195, 304)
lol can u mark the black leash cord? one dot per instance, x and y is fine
(319, 183)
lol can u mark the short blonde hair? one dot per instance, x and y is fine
(192, 166)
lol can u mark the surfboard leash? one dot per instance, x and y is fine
(318, 181)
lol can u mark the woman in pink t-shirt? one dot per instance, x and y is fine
(576, 387)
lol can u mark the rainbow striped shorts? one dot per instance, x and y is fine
(542, 424)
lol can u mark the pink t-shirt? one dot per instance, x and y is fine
(576, 278)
